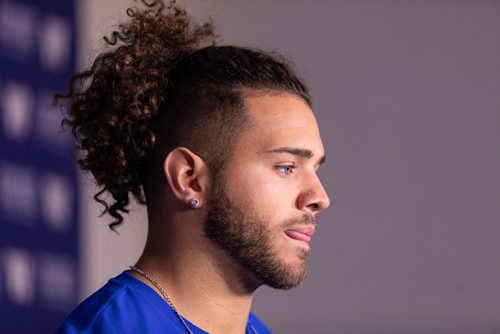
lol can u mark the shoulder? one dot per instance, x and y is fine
(257, 324)
(123, 305)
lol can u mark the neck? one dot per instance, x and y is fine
(203, 282)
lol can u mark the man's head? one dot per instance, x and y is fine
(247, 116)
(158, 104)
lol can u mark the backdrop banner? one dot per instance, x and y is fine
(38, 178)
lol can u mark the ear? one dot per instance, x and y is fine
(188, 176)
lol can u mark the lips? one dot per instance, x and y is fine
(301, 234)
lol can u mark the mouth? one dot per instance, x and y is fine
(302, 234)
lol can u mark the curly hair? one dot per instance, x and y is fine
(161, 84)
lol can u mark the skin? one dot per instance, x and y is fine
(271, 176)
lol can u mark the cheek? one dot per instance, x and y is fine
(261, 190)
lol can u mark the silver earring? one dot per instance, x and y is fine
(195, 202)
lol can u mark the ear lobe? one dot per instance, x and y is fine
(187, 175)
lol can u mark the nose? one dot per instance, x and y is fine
(314, 198)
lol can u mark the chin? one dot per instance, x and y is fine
(286, 274)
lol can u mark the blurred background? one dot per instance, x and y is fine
(407, 95)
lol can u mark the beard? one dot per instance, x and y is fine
(247, 238)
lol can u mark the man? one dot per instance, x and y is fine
(222, 143)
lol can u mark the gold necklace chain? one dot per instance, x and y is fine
(169, 301)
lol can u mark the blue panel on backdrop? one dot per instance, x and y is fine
(38, 179)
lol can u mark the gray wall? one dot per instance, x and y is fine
(407, 96)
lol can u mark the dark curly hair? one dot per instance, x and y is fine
(163, 83)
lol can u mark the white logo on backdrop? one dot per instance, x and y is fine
(57, 281)
(17, 107)
(19, 268)
(56, 197)
(54, 42)
(17, 27)
(18, 191)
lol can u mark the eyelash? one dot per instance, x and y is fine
(281, 169)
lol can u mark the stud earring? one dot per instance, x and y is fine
(195, 202)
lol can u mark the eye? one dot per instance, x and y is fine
(285, 169)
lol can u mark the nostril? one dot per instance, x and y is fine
(314, 205)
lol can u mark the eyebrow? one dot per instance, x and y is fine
(300, 152)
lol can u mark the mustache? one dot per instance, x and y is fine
(304, 220)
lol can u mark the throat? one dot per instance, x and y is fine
(204, 286)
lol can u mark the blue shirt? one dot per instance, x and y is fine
(127, 305)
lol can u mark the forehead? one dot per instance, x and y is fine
(281, 120)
